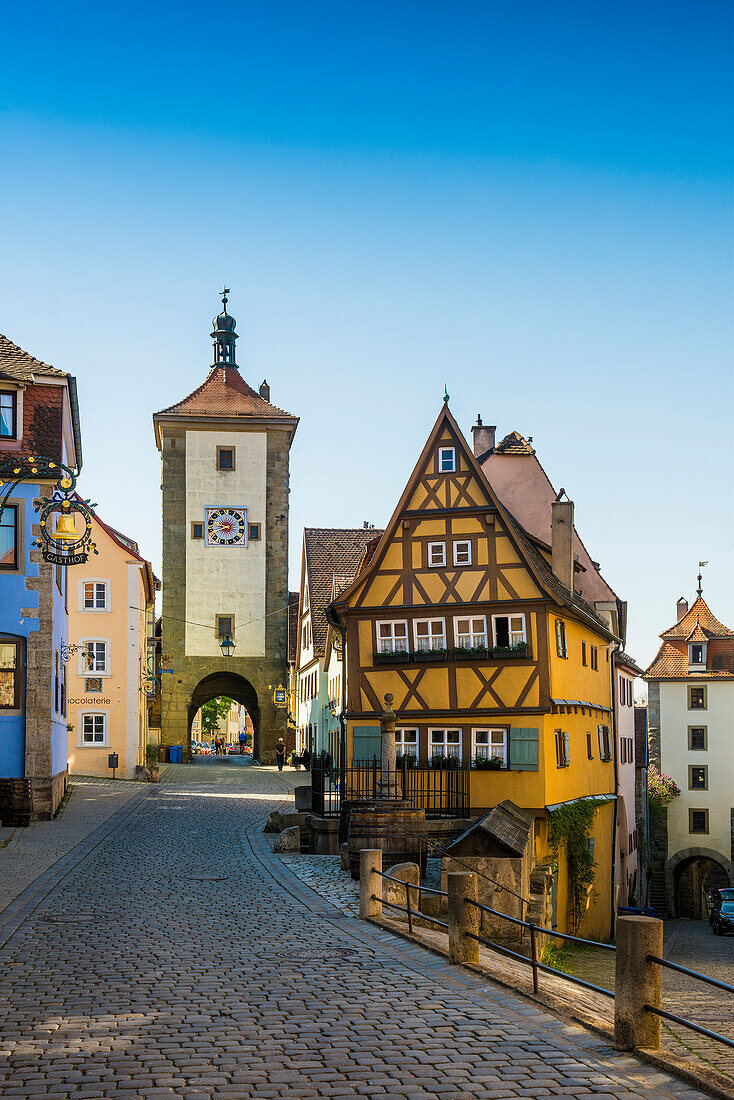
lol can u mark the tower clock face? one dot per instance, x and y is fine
(226, 527)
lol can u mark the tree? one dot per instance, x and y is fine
(211, 714)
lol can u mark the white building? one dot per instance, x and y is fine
(627, 875)
(691, 715)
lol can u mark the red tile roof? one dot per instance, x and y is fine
(514, 444)
(20, 366)
(224, 392)
(698, 634)
(698, 613)
(333, 556)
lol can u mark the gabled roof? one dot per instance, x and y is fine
(130, 547)
(514, 444)
(624, 660)
(225, 394)
(19, 366)
(505, 824)
(333, 556)
(698, 613)
(698, 634)
(534, 559)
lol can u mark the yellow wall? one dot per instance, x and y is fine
(121, 698)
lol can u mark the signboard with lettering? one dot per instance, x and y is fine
(64, 559)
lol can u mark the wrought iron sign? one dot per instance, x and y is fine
(64, 545)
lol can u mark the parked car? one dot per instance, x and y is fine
(723, 894)
(723, 921)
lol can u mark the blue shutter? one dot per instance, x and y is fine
(366, 743)
(523, 750)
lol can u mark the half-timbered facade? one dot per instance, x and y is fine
(491, 656)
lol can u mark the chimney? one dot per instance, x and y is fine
(265, 391)
(482, 437)
(681, 608)
(562, 541)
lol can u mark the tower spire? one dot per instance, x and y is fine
(224, 336)
(699, 590)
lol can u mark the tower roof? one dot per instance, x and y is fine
(698, 615)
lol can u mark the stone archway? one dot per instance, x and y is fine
(685, 873)
(233, 686)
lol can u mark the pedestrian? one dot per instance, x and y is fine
(217, 746)
(280, 754)
(242, 742)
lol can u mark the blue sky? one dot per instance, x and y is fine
(529, 202)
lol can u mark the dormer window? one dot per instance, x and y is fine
(697, 654)
(9, 415)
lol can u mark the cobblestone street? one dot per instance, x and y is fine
(167, 952)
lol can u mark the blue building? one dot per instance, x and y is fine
(39, 415)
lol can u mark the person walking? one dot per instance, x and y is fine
(280, 754)
(242, 742)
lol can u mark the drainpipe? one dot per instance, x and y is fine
(615, 650)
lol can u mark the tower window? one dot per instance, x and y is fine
(225, 626)
(698, 821)
(225, 458)
(254, 532)
(698, 777)
(197, 530)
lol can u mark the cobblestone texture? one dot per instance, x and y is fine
(179, 958)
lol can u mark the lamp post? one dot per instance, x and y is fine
(227, 646)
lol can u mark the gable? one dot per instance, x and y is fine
(437, 489)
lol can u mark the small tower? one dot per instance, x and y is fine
(225, 454)
(224, 336)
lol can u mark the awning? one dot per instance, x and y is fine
(600, 798)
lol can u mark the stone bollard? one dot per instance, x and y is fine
(370, 883)
(463, 917)
(637, 983)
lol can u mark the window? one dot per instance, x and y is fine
(8, 415)
(225, 458)
(445, 743)
(698, 821)
(698, 777)
(63, 689)
(225, 626)
(9, 537)
(697, 698)
(489, 745)
(589, 748)
(561, 643)
(10, 675)
(306, 634)
(406, 742)
(94, 658)
(594, 658)
(697, 654)
(57, 685)
(470, 633)
(95, 596)
(583, 653)
(94, 730)
(254, 532)
(446, 460)
(462, 552)
(508, 631)
(430, 634)
(563, 749)
(392, 637)
(197, 530)
(698, 738)
(605, 743)
(436, 554)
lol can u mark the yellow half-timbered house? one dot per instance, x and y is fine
(475, 628)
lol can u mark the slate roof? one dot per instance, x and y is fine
(20, 366)
(628, 662)
(699, 613)
(332, 552)
(224, 392)
(505, 823)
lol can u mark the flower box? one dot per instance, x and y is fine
(393, 658)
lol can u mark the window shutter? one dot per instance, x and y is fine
(602, 753)
(366, 743)
(524, 750)
(566, 749)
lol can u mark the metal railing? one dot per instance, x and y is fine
(665, 1015)
(441, 792)
(411, 912)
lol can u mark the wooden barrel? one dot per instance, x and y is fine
(397, 827)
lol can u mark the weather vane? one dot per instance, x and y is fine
(225, 299)
(699, 590)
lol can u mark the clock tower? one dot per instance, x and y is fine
(225, 455)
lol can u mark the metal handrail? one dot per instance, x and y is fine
(412, 885)
(539, 965)
(403, 909)
(692, 973)
(540, 927)
(687, 1023)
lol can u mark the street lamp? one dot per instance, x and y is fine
(227, 646)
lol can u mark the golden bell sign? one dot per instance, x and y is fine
(65, 530)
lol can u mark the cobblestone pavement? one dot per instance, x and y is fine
(179, 957)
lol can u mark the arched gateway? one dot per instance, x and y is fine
(225, 453)
(231, 686)
(691, 874)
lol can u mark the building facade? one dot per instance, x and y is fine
(690, 707)
(477, 630)
(39, 415)
(225, 473)
(111, 603)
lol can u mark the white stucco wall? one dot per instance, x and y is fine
(223, 580)
(718, 718)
